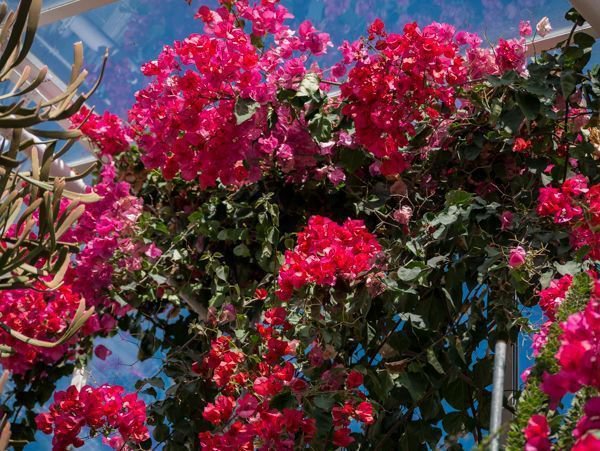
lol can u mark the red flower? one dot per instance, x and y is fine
(342, 437)
(220, 411)
(364, 412)
(354, 380)
(377, 28)
(261, 293)
(104, 409)
(587, 443)
(327, 251)
(536, 434)
(521, 145)
(102, 352)
(107, 132)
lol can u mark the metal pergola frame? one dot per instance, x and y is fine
(70, 8)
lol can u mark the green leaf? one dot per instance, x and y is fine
(584, 40)
(457, 394)
(257, 41)
(470, 152)
(222, 272)
(241, 250)
(245, 109)
(352, 159)
(529, 104)
(434, 262)
(161, 432)
(411, 271)
(148, 346)
(309, 86)
(570, 267)
(434, 362)
(158, 278)
(151, 391)
(324, 402)
(320, 127)
(282, 400)
(415, 320)
(506, 80)
(458, 197)
(568, 82)
(454, 423)
(511, 119)
(415, 383)
(572, 15)
(156, 382)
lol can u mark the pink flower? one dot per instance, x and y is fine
(102, 352)
(107, 132)
(220, 411)
(403, 215)
(552, 296)
(587, 443)
(342, 437)
(40, 314)
(525, 28)
(153, 252)
(510, 55)
(577, 356)
(338, 70)
(364, 412)
(589, 422)
(543, 27)
(540, 338)
(336, 176)
(536, 434)
(314, 41)
(377, 28)
(517, 257)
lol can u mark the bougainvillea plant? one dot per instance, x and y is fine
(323, 256)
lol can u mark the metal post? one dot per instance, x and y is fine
(497, 394)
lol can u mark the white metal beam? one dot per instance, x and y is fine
(553, 39)
(70, 8)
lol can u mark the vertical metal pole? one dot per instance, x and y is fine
(497, 394)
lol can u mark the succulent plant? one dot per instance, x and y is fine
(32, 217)
(31, 220)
